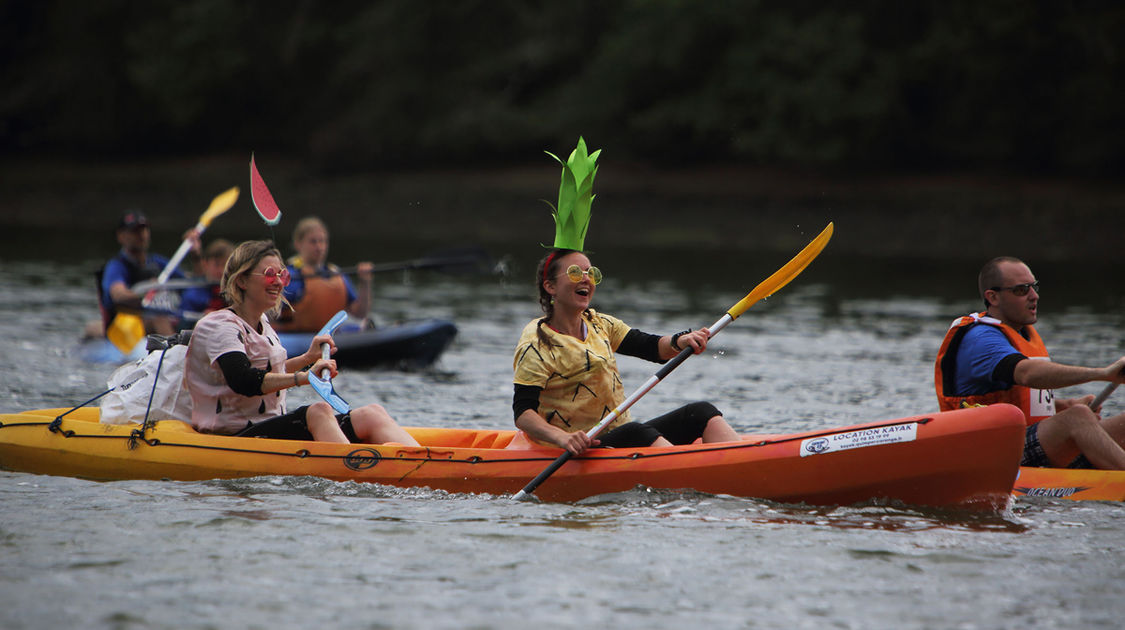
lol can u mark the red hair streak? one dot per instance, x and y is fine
(547, 264)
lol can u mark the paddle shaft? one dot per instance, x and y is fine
(430, 262)
(178, 257)
(174, 284)
(323, 384)
(628, 402)
(325, 353)
(219, 205)
(1102, 397)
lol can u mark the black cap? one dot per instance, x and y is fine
(132, 219)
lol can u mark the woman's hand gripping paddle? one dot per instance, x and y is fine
(768, 286)
(323, 383)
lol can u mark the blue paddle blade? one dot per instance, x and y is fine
(324, 388)
(334, 323)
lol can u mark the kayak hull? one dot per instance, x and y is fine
(961, 458)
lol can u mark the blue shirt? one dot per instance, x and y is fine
(123, 268)
(195, 301)
(982, 348)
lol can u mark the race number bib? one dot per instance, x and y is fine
(1042, 403)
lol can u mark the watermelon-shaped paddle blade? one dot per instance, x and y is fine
(261, 197)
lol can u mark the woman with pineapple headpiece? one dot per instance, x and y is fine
(565, 368)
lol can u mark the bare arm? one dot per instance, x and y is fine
(120, 294)
(696, 340)
(1051, 375)
(292, 364)
(275, 381)
(533, 424)
(361, 305)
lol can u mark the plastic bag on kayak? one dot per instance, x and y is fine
(132, 385)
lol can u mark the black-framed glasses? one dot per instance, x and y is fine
(575, 273)
(1019, 290)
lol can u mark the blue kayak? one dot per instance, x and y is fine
(406, 346)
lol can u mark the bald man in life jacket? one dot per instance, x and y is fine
(319, 289)
(997, 356)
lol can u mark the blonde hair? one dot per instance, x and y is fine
(306, 225)
(241, 262)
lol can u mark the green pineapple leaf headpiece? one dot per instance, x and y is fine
(576, 195)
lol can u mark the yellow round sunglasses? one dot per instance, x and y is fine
(575, 273)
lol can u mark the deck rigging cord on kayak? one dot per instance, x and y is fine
(154, 342)
(626, 454)
(163, 344)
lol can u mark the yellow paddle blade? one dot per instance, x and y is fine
(125, 332)
(219, 205)
(782, 276)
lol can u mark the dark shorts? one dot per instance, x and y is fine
(681, 426)
(1035, 457)
(293, 426)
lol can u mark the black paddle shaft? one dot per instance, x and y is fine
(672, 364)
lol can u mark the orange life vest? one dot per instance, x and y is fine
(325, 295)
(1036, 404)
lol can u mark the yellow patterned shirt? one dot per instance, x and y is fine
(579, 378)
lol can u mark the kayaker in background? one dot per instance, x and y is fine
(565, 370)
(237, 371)
(997, 356)
(133, 264)
(195, 302)
(319, 289)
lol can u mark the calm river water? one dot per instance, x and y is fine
(846, 342)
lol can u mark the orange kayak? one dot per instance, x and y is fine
(960, 458)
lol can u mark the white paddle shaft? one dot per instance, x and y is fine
(324, 354)
(178, 256)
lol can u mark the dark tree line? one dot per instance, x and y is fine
(1018, 85)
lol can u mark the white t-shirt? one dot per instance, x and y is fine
(215, 408)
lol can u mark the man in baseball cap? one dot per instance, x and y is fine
(132, 264)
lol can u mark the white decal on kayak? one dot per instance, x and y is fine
(859, 439)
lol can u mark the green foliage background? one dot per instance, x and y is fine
(1003, 85)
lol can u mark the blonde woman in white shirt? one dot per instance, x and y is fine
(237, 370)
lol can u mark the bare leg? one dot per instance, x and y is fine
(374, 425)
(322, 423)
(717, 430)
(1076, 431)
